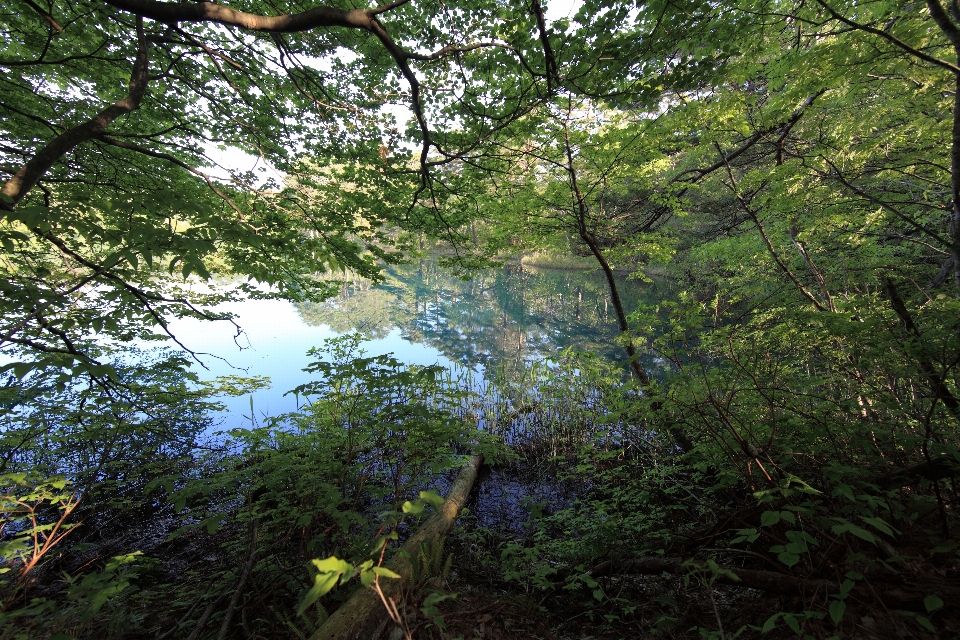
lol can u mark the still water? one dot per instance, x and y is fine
(422, 315)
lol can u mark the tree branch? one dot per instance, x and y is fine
(550, 61)
(388, 7)
(885, 205)
(27, 177)
(935, 380)
(171, 12)
(952, 68)
(45, 14)
(943, 21)
(179, 163)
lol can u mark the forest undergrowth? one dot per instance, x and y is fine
(838, 521)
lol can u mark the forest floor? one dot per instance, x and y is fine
(481, 604)
(483, 607)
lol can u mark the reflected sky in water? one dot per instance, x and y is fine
(422, 315)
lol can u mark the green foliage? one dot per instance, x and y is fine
(110, 441)
(336, 479)
(35, 512)
(790, 164)
(429, 606)
(36, 516)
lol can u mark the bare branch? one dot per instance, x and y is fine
(763, 234)
(752, 140)
(836, 173)
(439, 53)
(169, 158)
(171, 12)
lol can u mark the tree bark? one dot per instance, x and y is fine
(172, 12)
(934, 379)
(580, 211)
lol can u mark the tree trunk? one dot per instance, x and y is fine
(580, 211)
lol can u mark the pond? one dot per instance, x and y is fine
(422, 315)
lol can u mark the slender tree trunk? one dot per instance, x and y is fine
(618, 309)
(955, 186)
(581, 211)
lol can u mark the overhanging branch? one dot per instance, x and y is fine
(27, 177)
(171, 12)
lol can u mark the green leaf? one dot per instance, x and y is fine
(880, 525)
(849, 527)
(846, 587)
(331, 564)
(769, 518)
(945, 547)
(771, 623)
(746, 535)
(386, 573)
(837, 608)
(432, 497)
(932, 603)
(861, 533)
(414, 508)
(323, 583)
(212, 524)
(792, 623)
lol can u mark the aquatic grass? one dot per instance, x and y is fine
(552, 407)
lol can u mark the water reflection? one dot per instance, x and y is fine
(422, 315)
(515, 312)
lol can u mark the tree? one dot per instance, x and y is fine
(112, 111)
(793, 163)
(115, 218)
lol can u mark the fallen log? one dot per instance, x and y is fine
(364, 615)
(936, 469)
(895, 596)
(769, 581)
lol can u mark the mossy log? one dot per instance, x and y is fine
(893, 591)
(770, 581)
(936, 469)
(363, 615)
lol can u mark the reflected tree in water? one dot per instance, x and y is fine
(499, 315)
